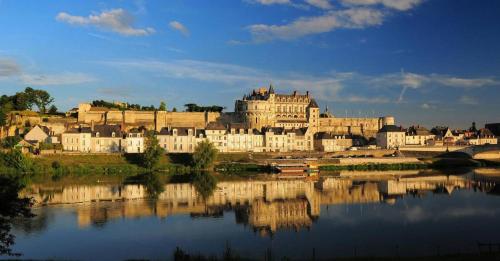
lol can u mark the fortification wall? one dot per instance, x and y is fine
(185, 119)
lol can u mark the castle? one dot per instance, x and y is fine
(264, 108)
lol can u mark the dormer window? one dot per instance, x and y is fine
(175, 131)
(97, 134)
(113, 134)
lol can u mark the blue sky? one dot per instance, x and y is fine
(426, 62)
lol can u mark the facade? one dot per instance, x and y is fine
(483, 136)
(106, 138)
(179, 140)
(77, 140)
(133, 142)
(102, 139)
(391, 137)
(419, 136)
(330, 142)
(264, 108)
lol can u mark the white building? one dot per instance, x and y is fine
(391, 137)
(133, 142)
(179, 139)
(330, 142)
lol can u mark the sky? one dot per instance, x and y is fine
(427, 62)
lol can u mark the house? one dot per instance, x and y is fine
(77, 139)
(133, 142)
(37, 134)
(391, 137)
(106, 138)
(330, 142)
(179, 139)
(216, 133)
(419, 136)
(241, 138)
(482, 137)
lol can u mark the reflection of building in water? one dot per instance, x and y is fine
(265, 205)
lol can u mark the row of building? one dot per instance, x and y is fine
(392, 137)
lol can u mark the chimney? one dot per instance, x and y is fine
(307, 93)
(92, 125)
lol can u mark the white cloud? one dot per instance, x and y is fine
(326, 87)
(468, 100)
(401, 5)
(8, 68)
(67, 78)
(464, 82)
(270, 2)
(116, 20)
(179, 27)
(323, 4)
(415, 81)
(355, 18)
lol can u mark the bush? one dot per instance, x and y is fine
(10, 142)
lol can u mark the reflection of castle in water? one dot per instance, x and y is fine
(266, 205)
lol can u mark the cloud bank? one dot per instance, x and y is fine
(115, 20)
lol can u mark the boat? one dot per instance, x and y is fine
(295, 170)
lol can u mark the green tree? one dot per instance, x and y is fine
(152, 154)
(204, 155)
(42, 99)
(174, 109)
(16, 159)
(53, 109)
(10, 142)
(163, 106)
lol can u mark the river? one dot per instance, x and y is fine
(407, 213)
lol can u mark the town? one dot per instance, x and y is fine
(262, 121)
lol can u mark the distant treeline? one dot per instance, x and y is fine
(102, 103)
(25, 100)
(193, 107)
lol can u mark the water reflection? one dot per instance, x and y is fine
(267, 205)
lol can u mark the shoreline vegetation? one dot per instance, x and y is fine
(59, 165)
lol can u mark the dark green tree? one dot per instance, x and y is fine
(204, 155)
(53, 109)
(3, 117)
(16, 159)
(174, 109)
(10, 142)
(163, 106)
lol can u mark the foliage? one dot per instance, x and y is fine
(53, 109)
(153, 184)
(193, 107)
(10, 142)
(153, 152)
(16, 159)
(163, 106)
(11, 207)
(205, 184)
(50, 146)
(204, 155)
(3, 117)
(25, 100)
(174, 109)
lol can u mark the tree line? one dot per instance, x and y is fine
(26, 100)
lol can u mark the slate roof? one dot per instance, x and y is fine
(181, 131)
(313, 104)
(107, 131)
(391, 128)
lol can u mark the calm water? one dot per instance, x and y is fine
(346, 215)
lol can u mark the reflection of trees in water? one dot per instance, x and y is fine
(11, 207)
(204, 183)
(151, 181)
(34, 225)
